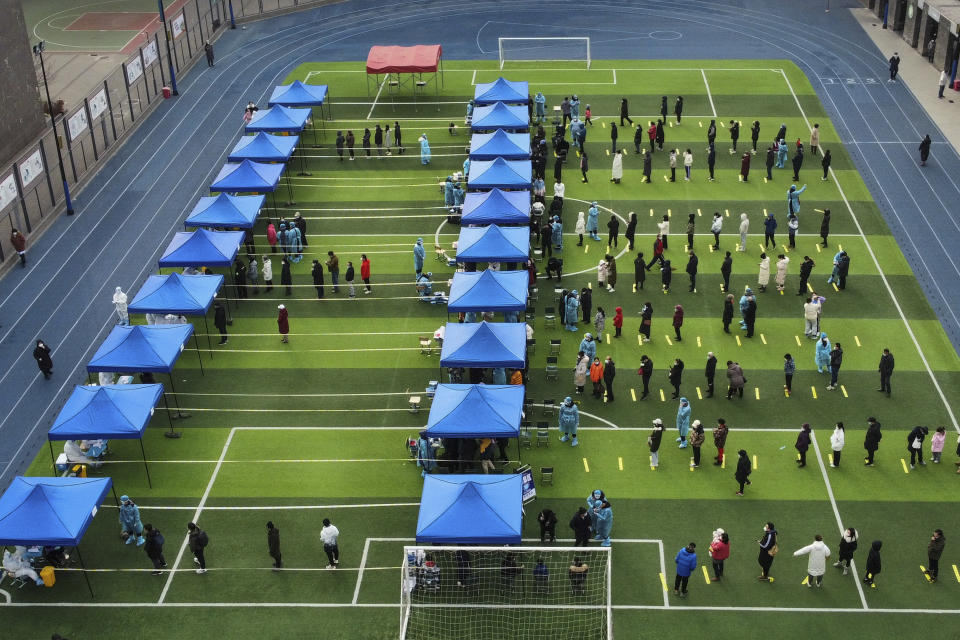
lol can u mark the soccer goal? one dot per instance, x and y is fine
(481, 592)
(544, 50)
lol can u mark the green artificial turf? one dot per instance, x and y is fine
(317, 427)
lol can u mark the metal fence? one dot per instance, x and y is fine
(31, 189)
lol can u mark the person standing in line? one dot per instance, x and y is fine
(317, 273)
(806, 267)
(734, 135)
(825, 164)
(613, 231)
(817, 553)
(768, 550)
(675, 377)
(742, 476)
(388, 138)
(803, 444)
(365, 142)
(678, 320)
(283, 323)
(19, 243)
(378, 139)
(198, 540)
(873, 564)
(696, 441)
(660, 134)
(692, 263)
(568, 419)
(691, 230)
(637, 140)
(639, 272)
(618, 322)
(711, 160)
(727, 312)
(710, 372)
(584, 166)
(686, 561)
(333, 266)
(348, 277)
(687, 163)
(836, 360)
(220, 321)
(286, 279)
(735, 376)
(653, 441)
(267, 273)
(41, 353)
(613, 137)
(365, 273)
(843, 269)
(340, 141)
(726, 268)
(609, 373)
(624, 112)
(755, 135)
(208, 51)
(871, 441)
(252, 275)
(580, 523)
(789, 366)
(329, 536)
(565, 111)
(942, 82)
(720, 440)
(848, 544)
(596, 377)
(646, 370)
(793, 225)
(580, 228)
(712, 132)
(886, 371)
(240, 279)
(677, 109)
(647, 167)
(815, 139)
(770, 227)
(837, 441)
(925, 149)
(580, 372)
(351, 141)
(663, 108)
(797, 162)
(673, 165)
(934, 551)
(763, 278)
(616, 170)
(719, 551)
(915, 445)
(631, 231)
(770, 161)
(153, 546)
(715, 227)
(936, 444)
(749, 320)
(663, 227)
(745, 166)
(781, 277)
(652, 136)
(398, 138)
(273, 544)
(894, 66)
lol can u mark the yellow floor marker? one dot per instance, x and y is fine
(662, 398)
(727, 211)
(761, 246)
(608, 151)
(813, 390)
(839, 247)
(669, 342)
(623, 151)
(639, 339)
(633, 394)
(819, 210)
(857, 340)
(786, 394)
(586, 248)
(698, 342)
(699, 213)
(830, 457)
(699, 395)
(666, 179)
(763, 339)
(706, 574)
(818, 247)
(764, 213)
(781, 292)
(786, 249)
(764, 180)
(903, 463)
(756, 392)
(809, 288)
(711, 248)
(663, 581)
(700, 123)
(835, 288)
(608, 338)
(805, 580)
(740, 178)
(651, 212)
(653, 468)
(754, 462)
(739, 344)
(691, 467)
(797, 338)
(603, 124)
(721, 124)
(723, 462)
(669, 213)
(925, 575)
(956, 572)
(586, 467)
(844, 390)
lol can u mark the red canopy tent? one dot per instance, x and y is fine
(399, 62)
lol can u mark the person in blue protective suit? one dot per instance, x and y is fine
(130, 521)
(294, 243)
(556, 233)
(822, 356)
(683, 422)
(575, 107)
(448, 193)
(793, 199)
(578, 133)
(835, 275)
(571, 311)
(419, 253)
(744, 305)
(458, 195)
(604, 523)
(499, 375)
(593, 220)
(540, 102)
(782, 154)
(425, 148)
(466, 168)
(282, 236)
(469, 110)
(426, 454)
(589, 346)
(568, 421)
(594, 500)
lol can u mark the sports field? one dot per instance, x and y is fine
(316, 428)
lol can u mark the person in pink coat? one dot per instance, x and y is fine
(283, 324)
(272, 237)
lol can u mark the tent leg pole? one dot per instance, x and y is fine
(290, 194)
(206, 329)
(53, 460)
(113, 488)
(180, 414)
(170, 416)
(83, 568)
(145, 466)
(166, 406)
(196, 344)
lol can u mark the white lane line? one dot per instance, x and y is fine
(373, 105)
(883, 277)
(709, 95)
(663, 570)
(363, 565)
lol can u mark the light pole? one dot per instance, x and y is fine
(38, 50)
(166, 38)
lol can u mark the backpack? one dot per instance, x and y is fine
(159, 538)
(202, 539)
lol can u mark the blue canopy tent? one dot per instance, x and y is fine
(144, 349)
(114, 412)
(225, 211)
(263, 147)
(489, 290)
(175, 293)
(499, 144)
(251, 177)
(496, 207)
(484, 344)
(502, 90)
(500, 116)
(500, 174)
(476, 411)
(301, 94)
(202, 248)
(278, 119)
(493, 244)
(53, 512)
(471, 509)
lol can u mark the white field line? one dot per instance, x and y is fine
(876, 262)
(196, 515)
(663, 570)
(363, 565)
(376, 97)
(709, 95)
(836, 514)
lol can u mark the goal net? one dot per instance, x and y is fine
(479, 593)
(544, 50)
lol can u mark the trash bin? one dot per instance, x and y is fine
(166, 92)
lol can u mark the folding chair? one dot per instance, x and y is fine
(552, 371)
(531, 346)
(543, 433)
(414, 404)
(426, 345)
(533, 295)
(546, 476)
(527, 406)
(550, 317)
(554, 348)
(530, 314)
(549, 407)
(526, 435)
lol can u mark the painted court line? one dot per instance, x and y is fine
(709, 95)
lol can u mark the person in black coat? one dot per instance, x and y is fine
(153, 546)
(782, 133)
(340, 142)
(317, 273)
(666, 275)
(767, 542)
(240, 278)
(797, 163)
(663, 109)
(645, 371)
(613, 137)
(771, 160)
(843, 268)
(639, 272)
(873, 564)
(623, 112)
(742, 474)
(285, 278)
(613, 229)
(273, 544)
(825, 225)
(41, 353)
(734, 133)
(675, 376)
(726, 267)
(710, 371)
(546, 235)
(925, 150)
(377, 140)
(609, 373)
(660, 134)
(846, 547)
(548, 525)
(871, 441)
(631, 231)
(727, 312)
(558, 169)
(805, 268)
(692, 263)
(803, 444)
(886, 370)
(711, 157)
(712, 132)
(397, 139)
(637, 139)
(755, 134)
(894, 66)
(678, 108)
(586, 305)
(580, 523)
(825, 163)
(750, 316)
(915, 445)
(220, 321)
(647, 167)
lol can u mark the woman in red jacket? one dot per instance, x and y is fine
(283, 324)
(618, 321)
(596, 377)
(365, 272)
(677, 320)
(719, 551)
(19, 245)
(272, 237)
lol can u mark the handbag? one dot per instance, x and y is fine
(774, 550)
(916, 443)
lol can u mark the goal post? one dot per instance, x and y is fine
(544, 50)
(483, 592)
